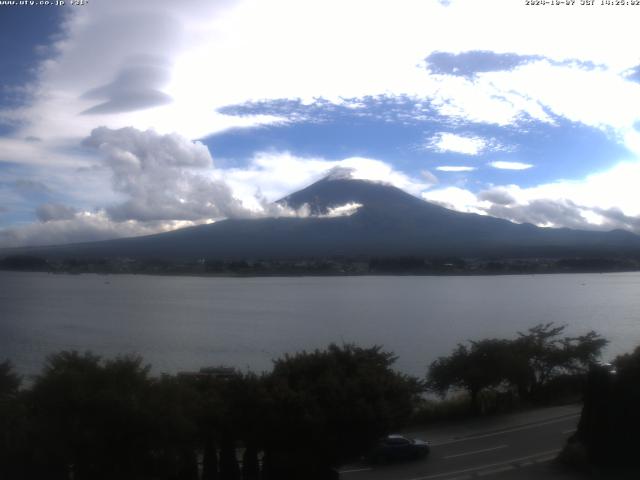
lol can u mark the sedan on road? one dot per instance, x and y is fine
(397, 447)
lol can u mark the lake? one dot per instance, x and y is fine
(183, 323)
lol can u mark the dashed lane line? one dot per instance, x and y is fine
(475, 451)
(509, 430)
(355, 470)
(493, 471)
(538, 458)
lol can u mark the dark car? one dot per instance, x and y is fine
(397, 447)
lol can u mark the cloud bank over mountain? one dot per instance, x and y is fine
(109, 107)
(164, 182)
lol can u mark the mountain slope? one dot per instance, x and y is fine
(390, 222)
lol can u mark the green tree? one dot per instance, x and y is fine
(246, 399)
(528, 363)
(480, 365)
(329, 406)
(13, 423)
(9, 380)
(91, 418)
(610, 418)
(542, 354)
(230, 415)
(58, 400)
(174, 406)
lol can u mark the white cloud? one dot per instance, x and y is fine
(136, 86)
(345, 210)
(546, 213)
(604, 200)
(155, 64)
(48, 212)
(162, 177)
(480, 101)
(277, 174)
(124, 79)
(165, 182)
(429, 177)
(43, 153)
(450, 142)
(225, 52)
(600, 98)
(84, 227)
(510, 165)
(616, 187)
(455, 198)
(455, 168)
(498, 195)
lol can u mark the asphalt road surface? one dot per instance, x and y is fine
(486, 449)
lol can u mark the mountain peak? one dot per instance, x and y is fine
(347, 173)
(388, 222)
(339, 173)
(338, 189)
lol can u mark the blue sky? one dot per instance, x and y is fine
(125, 118)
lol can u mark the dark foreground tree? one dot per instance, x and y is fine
(91, 419)
(13, 423)
(473, 368)
(542, 354)
(330, 406)
(527, 363)
(9, 380)
(610, 419)
(173, 406)
(230, 416)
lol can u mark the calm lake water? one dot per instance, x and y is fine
(182, 323)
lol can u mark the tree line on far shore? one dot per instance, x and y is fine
(84, 417)
(331, 265)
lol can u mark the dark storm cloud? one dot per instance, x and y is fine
(48, 212)
(136, 87)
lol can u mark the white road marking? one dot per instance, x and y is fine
(502, 432)
(354, 470)
(548, 458)
(566, 432)
(488, 466)
(493, 471)
(476, 451)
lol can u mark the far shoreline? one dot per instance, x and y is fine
(324, 275)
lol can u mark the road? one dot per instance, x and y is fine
(481, 449)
